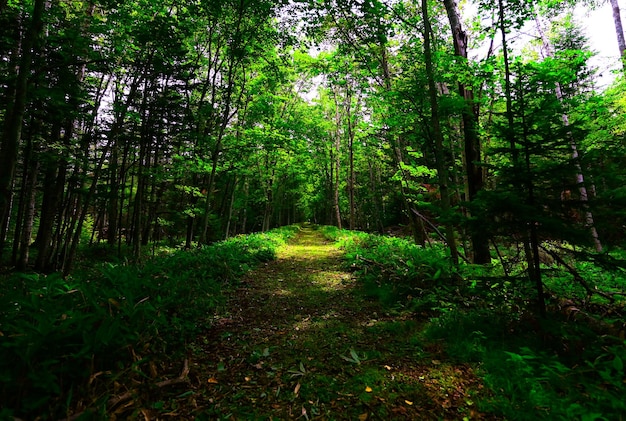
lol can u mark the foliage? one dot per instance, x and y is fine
(553, 369)
(63, 336)
(396, 270)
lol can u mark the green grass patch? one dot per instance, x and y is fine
(63, 337)
(569, 366)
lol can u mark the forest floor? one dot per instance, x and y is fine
(297, 340)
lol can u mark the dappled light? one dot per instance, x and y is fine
(302, 337)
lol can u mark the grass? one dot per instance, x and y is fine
(69, 344)
(327, 325)
(569, 366)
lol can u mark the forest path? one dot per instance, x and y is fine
(297, 340)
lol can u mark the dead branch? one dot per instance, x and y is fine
(126, 396)
(577, 276)
(439, 233)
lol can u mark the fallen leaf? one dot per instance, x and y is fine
(297, 389)
(387, 367)
(247, 379)
(368, 389)
(213, 380)
(408, 402)
(363, 417)
(436, 362)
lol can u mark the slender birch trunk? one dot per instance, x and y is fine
(580, 178)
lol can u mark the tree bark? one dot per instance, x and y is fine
(472, 147)
(437, 135)
(580, 178)
(337, 152)
(619, 31)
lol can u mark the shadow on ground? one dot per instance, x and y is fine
(297, 340)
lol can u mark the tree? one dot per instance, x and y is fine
(472, 149)
(14, 116)
(436, 134)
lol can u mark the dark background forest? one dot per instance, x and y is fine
(133, 127)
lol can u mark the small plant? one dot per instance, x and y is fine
(60, 336)
(354, 358)
(298, 372)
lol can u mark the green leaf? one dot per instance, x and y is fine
(618, 364)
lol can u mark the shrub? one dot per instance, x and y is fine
(56, 333)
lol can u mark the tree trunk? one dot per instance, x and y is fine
(472, 147)
(337, 152)
(231, 206)
(580, 178)
(14, 117)
(530, 240)
(619, 31)
(226, 117)
(29, 215)
(351, 175)
(437, 135)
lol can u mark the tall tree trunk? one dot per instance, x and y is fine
(114, 212)
(417, 226)
(436, 134)
(580, 178)
(246, 196)
(14, 118)
(231, 206)
(30, 195)
(337, 152)
(532, 246)
(53, 186)
(472, 147)
(534, 274)
(233, 63)
(351, 176)
(619, 31)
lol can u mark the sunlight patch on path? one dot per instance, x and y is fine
(298, 341)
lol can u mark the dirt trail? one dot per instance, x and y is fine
(298, 341)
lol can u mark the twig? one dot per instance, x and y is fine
(495, 246)
(113, 402)
(373, 262)
(117, 400)
(179, 379)
(577, 277)
(465, 259)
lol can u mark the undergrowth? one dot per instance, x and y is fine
(62, 338)
(567, 366)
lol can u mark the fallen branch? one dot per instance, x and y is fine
(439, 233)
(372, 262)
(114, 402)
(124, 397)
(578, 277)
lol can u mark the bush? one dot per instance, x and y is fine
(395, 270)
(56, 333)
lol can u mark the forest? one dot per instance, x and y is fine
(468, 158)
